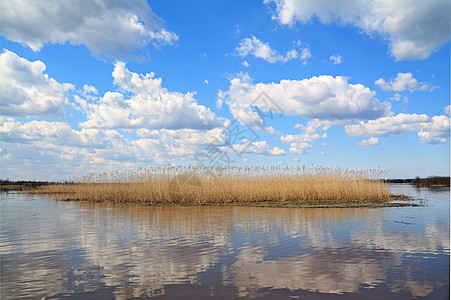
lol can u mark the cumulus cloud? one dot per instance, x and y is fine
(253, 46)
(398, 97)
(55, 133)
(257, 148)
(245, 64)
(435, 131)
(413, 29)
(89, 89)
(47, 145)
(300, 142)
(336, 59)
(143, 102)
(319, 97)
(372, 141)
(27, 91)
(112, 28)
(430, 130)
(299, 148)
(309, 132)
(305, 137)
(386, 126)
(448, 110)
(402, 82)
(166, 145)
(186, 136)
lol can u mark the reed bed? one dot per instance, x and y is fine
(226, 185)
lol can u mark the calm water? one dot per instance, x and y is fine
(56, 250)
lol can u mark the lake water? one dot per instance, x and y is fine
(55, 250)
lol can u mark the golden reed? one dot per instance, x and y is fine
(225, 184)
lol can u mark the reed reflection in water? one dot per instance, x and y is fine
(70, 249)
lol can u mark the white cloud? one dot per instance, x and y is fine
(320, 97)
(386, 126)
(245, 64)
(309, 132)
(398, 97)
(55, 133)
(436, 131)
(112, 28)
(413, 28)
(299, 138)
(167, 146)
(88, 89)
(448, 110)
(305, 54)
(187, 136)
(430, 130)
(276, 151)
(205, 81)
(372, 141)
(253, 46)
(54, 145)
(300, 148)
(150, 106)
(305, 51)
(336, 59)
(255, 148)
(26, 91)
(402, 82)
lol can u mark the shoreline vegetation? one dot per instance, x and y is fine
(231, 185)
(434, 181)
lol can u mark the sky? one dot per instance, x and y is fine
(98, 86)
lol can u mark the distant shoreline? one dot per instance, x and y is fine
(433, 181)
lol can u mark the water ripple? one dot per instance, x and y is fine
(68, 249)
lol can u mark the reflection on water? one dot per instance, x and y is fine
(66, 249)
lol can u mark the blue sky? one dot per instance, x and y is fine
(118, 85)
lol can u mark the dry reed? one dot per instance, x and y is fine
(225, 185)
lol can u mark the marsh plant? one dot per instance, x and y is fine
(225, 185)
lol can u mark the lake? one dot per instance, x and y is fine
(57, 250)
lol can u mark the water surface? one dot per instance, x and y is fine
(55, 250)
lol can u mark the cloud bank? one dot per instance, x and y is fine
(112, 28)
(412, 28)
(433, 130)
(319, 97)
(143, 103)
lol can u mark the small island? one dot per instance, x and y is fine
(227, 185)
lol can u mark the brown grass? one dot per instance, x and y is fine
(226, 185)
